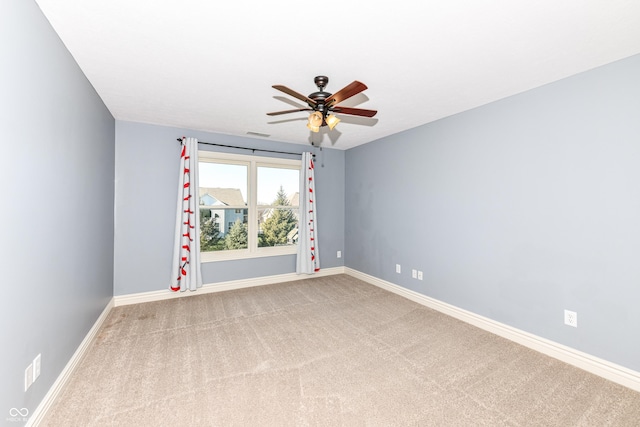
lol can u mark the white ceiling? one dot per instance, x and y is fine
(210, 65)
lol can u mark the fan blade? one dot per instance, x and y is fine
(295, 94)
(277, 113)
(346, 92)
(354, 111)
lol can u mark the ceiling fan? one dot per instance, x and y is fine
(323, 103)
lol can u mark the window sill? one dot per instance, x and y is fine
(206, 257)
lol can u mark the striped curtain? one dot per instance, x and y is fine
(307, 261)
(186, 272)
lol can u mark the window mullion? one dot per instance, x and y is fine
(252, 204)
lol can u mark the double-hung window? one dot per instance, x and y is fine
(248, 206)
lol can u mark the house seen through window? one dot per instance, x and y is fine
(248, 206)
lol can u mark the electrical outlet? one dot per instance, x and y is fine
(398, 269)
(571, 318)
(419, 275)
(28, 377)
(339, 255)
(37, 362)
(414, 273)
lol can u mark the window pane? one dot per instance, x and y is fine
(278, 186)
(277, 206)
(223, 206)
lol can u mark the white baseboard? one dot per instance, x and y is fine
(611, 371)
(38, 415)
(164, 294)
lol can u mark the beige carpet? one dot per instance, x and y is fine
(331, 351)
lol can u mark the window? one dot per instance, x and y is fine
(248, 206)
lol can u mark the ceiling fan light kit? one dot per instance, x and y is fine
(323, 103)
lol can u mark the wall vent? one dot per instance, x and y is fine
(263, 135)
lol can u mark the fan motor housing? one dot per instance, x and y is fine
(319, 97)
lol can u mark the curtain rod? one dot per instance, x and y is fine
(245, 148)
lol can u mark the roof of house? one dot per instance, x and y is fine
(294, 200)
(227, 196)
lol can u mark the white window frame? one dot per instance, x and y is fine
(252, 163)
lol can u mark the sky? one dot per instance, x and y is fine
(216, 175)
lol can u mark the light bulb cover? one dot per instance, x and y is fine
(313, 128)
(315, 119)
(332, 121)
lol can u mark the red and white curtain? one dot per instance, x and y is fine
(186, 272)
(307, 261)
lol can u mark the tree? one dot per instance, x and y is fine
(276, 228)
(210, 239)
(236, 238)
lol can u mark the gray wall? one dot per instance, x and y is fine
(147, 163)
(516, 210)
(57, 204)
